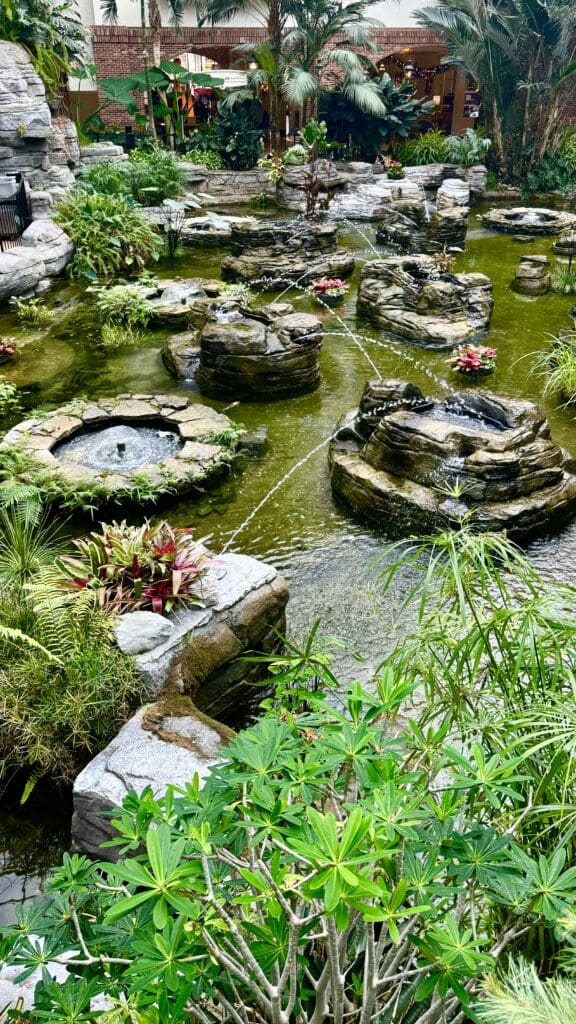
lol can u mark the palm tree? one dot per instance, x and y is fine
(326, 35)
(523, 54)
(150, 19)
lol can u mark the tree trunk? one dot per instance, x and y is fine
(146, 67)
(275, 39)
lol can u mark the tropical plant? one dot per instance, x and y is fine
(327, 286)
(155, 175)
(400, 114)
(327, 870)
(296, 155)
(52, 34)
(429, 148)
(7, 347)
(239, 140)
(33, 312)
(110, 236)
(523, 55)
(205, 158)
(123, 305)
(133, 567)
(556, 172)
(473, 358)
(467, 149)
(109, 177)
(493, 651)
(9, 397)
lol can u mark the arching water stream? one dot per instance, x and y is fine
(297, 526)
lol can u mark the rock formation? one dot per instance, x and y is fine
(273, 252)
(524, 220)
(410, 296)
(407, 220)
(413, 464)
(273, 351)
(194, 673)
(532, 276)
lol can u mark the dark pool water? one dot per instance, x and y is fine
(327, 557)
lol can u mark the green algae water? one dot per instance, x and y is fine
(324, 552)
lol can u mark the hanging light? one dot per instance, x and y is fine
(409, 69)
(253, 65)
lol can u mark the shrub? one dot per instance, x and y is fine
(9, 399)
(325, 863)
(429, 148)
(123, 305)
(239, 140)
(111, 177)
(296, 155)
(134, 567)
(205, 158)
(110, 236)
(154, 176)
(557, 170)
(33, 312)
(468, 149)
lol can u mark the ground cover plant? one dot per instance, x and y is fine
(110, 236)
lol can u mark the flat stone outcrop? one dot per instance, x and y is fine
(100, 153)
(414, 464)
(411, 297)
(273, 352)
(194, 673)
(409, 220)
(533, 276)
(272, 252)
(528, 220)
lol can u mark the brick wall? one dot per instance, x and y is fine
(118, 51)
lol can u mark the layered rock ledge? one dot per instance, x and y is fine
(410, 296)
(271, 253)
(414, 464)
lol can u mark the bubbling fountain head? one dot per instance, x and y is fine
(121, 447)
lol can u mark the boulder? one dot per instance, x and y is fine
(423, 465)
(532, 276)
(163, 744)
(137, 632)
(410, 296)
(181, 354)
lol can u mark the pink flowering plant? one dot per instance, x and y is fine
(7, 346)
(472, 358)
(328, 286)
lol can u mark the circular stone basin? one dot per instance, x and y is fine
(523, 220)
(132, 447)
(121, 448)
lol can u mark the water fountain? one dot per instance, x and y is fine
(414, 464)
(412, 297)
(523, 220)
(117, 448)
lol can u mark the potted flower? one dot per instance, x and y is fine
(330, 291)
(7, 349)
(395, 171)
(474, 360)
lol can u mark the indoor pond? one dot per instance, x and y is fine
(279, 506)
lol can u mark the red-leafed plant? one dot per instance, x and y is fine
(136, 567)
(7, 346)
(328, 286)
(472, 358)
